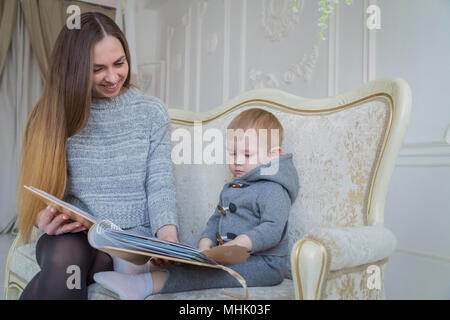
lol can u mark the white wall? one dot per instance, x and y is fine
(414, 44)
(218, 48)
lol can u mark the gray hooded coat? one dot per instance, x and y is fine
(258, 205)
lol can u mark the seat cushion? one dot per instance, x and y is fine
(23, 262)
(283, 291)
(24, 265)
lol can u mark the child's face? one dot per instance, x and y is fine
(243, 154)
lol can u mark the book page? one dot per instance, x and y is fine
(75, 214)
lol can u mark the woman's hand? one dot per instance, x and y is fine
(169, 233)
(55, 223)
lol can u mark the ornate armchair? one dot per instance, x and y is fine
(344, 147)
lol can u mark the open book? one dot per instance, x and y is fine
(138, 249)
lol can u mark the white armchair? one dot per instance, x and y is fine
(344, 147)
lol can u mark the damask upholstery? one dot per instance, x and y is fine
(348, 247)
(344, 148)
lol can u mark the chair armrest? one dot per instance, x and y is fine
(354, 246)
(308, 268)
(8, 294)
(331, 249)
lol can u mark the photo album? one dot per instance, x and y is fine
(139, 249)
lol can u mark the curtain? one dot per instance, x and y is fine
(20, 87)
(45, 18)
(7, 19)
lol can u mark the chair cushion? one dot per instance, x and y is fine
(283, 291)
(355, 246)
(24, 265)
(23, 262)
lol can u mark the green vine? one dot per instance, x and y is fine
(295, 6)
(326, 7)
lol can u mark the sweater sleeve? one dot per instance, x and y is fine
(274, 205)
(159, 183)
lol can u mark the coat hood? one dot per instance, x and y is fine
(280, 170)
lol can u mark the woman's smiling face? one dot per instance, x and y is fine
(110, 68)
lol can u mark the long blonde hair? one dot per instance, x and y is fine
(61, 111)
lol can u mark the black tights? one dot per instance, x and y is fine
(54, 255)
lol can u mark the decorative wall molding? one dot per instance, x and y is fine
(447, 135)
(186, 21)
(226, 50)
(333, 52)
(278, 18)
(152, 78)
(369, 46)
(243, 40)
(259, 79)
(429, 154)
(169, 37)
(425, 254)
(177, 62)
(211, 43)
(201, 10)
(304, 68)
(426, 154)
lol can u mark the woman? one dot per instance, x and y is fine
(100, 144)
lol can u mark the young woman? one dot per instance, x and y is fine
(99, 143)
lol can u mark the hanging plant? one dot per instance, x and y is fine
(326, 7)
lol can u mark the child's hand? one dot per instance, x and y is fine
(241, 240)
(205, 244)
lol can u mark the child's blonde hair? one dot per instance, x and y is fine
(258, 119)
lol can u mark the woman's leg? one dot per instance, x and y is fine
(62, 259)
(102, 262)
(30, 291)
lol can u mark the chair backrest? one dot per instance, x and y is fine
(344, 149)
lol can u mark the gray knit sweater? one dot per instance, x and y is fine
(119, 165)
